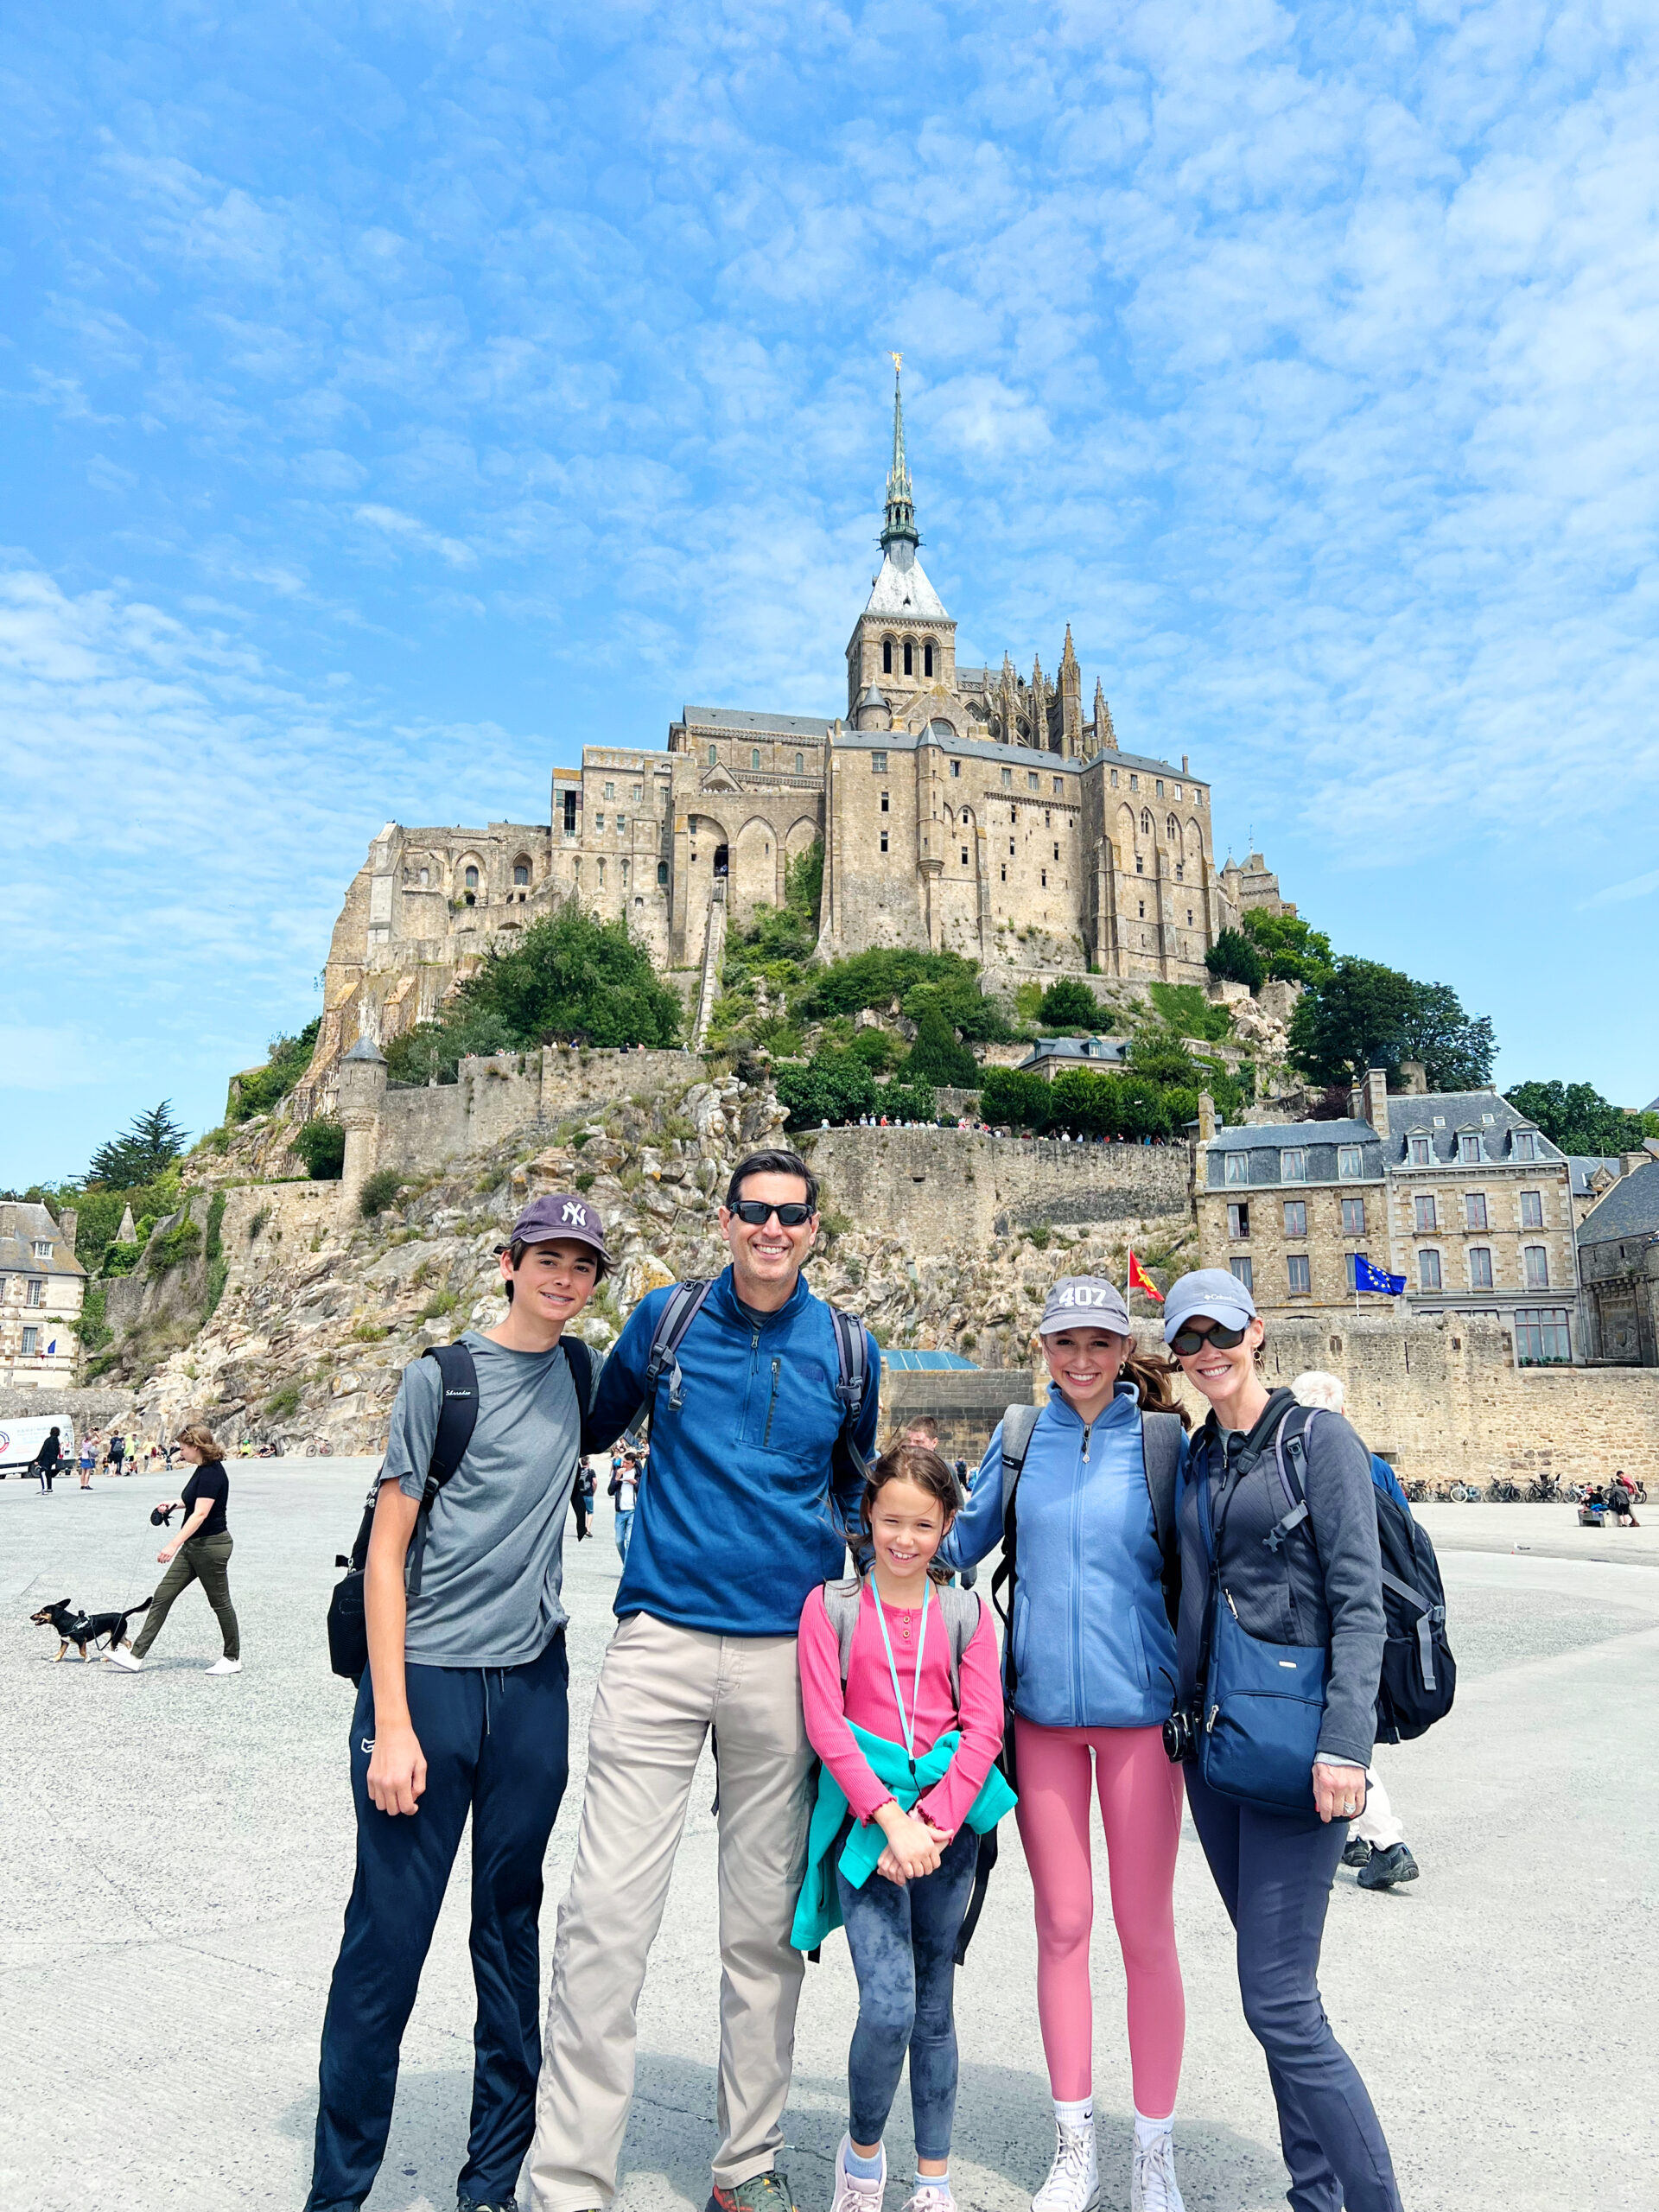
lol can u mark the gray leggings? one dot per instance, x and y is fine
(903, 1941)
(206, 1560)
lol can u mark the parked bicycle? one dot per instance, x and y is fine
(1506, 1492)
(319, 1448)
(1466, 1493)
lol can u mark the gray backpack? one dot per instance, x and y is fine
(960, 1610)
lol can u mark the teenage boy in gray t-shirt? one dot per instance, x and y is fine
(464, 1709)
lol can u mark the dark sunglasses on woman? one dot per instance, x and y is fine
(1187, 1341)
(757, 1213)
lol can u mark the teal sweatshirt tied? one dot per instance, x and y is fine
(818, 1912)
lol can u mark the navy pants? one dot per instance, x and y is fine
(903, 1938)
(1274, 1872)
(496, 1744)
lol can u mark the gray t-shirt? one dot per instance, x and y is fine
(493, 1568)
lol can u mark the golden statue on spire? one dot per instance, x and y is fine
(897, 360)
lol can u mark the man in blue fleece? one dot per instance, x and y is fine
(739, 1518)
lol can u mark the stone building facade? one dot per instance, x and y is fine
(977, 811)
(1618, 1266)
(42, 1286)
(1457, 1191)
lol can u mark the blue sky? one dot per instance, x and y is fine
(395, 398)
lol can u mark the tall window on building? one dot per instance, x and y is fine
(570, 814)
(1238, 1169)
(1292, 1166)
(1350, 1162)
(31, 1343)
(887, 655)
(885, 807)
(1114, 776)
(1468, 1144)
(956, 768)
(521, 872)
(1353, 1217)
(1146, 822)
(879, 763)
(1428, 1270)
(1474, 1209)
(1295, 1216)
(662, 876)
(884, 840)
(1033, 781)
(1531, 1209)
(1298, 1274)
(1427, 1212)
(35, 1294)
(927, 660)
(909, 671)
(1543, 1337)
(800, 764)
(1008, 778)
(1480, 1267)
(1238, 1219)
(755, 758)
(1526, 1145)
(1535, 1266)
(1349, 1267)
(1242, 1269)
(471, 879)
(1421, 1151)
(714, 756)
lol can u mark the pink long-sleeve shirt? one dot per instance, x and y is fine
(869, 1701)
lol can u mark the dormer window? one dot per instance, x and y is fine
(1422, 1151)
(1350, 1162)
(1526, 1145)
(1238, 1167)
(1468, 1144)
(1292, 1166)
(43, 1249)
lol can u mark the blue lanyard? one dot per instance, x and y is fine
(908, 1726)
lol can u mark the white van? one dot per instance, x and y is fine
(20, 1439)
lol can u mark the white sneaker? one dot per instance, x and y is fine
(852, 2193)
(932, 2197)
(1073, 2184)
(1152, 2183)
(224, 1667)
(125, 1661)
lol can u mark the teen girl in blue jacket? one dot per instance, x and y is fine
(1093, 1664)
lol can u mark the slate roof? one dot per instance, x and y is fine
(1584, 1165)
(1265, 1141)
(22, 1224)
(1017, 756)
(901, 589)
(1084, 1052)
(1440, 1115)
(724, 718)
(1630, 1209)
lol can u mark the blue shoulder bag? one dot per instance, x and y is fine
(1263, 1703)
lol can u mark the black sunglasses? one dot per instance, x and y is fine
(1187, 1341)
(757, 1213)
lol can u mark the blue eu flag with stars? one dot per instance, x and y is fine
(1366, 1277)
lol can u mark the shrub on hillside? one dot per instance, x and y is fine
(379, 1192)
(936, 1057)
(321, 1146)
(1069, 1003)
(1233, 959)
(258, 1090)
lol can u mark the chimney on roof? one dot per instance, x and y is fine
(1206, 1117)
(1414, 1078)
(1375, 1093)
(1627, 1161)
(68, 1222)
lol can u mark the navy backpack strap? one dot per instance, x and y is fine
(1290, 1457)
(457, 1417)
(579, 1359)
(680, 1308)
(852, 1365)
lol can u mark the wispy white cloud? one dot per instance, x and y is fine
(1614, 895)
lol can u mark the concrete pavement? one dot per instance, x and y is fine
(180, 1849)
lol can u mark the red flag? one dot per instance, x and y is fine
(1139, 1280)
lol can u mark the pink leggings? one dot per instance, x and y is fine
(1141, 1807)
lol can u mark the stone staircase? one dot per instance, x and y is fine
(714, 959)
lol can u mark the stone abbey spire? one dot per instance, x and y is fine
(900, 523)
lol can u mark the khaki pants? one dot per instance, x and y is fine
(206, 1560)
(660, 1691)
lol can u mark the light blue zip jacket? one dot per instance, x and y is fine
(1092, 1643)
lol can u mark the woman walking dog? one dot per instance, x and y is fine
(199, 1553)
(1083, 1505)
(1292, 1587)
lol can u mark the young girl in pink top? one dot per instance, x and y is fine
(903, 1921)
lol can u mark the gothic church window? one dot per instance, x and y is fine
(521, 872)
(909, 671)
(887, 655)
(927, 660)
(754, 757)
(1173, 829)
(714, 756)
(662, 876)
(471, 879)
(1146, 822)
(800, 764)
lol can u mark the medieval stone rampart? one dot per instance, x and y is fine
(493, 1098)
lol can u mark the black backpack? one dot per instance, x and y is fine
(681, 1308)
(1420, 1676)
(348, 1635)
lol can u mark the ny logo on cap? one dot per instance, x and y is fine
(572, 1211)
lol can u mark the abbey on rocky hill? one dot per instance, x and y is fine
(965, 810)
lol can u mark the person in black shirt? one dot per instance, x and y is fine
(199, 1553)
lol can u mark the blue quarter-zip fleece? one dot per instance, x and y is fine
(734, 1525)
(1092, 1643)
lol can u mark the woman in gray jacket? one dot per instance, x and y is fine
(1317, 1583)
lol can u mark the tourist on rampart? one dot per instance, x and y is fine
(1087, 1524)
(199, 1553)
(899, 1681)
(1376, 1848)
(741, 1516)
(464, 1711)
(1272, 1860)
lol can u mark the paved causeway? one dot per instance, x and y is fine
(179, 1849)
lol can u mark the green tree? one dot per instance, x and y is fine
(1364, 1016)
(1575, 1116)
(321, 1146)
(877, 978)
(1069, 1003)
(833, 1088)
(1233, 959)
(1015, 1097)
(144, 1151)
(907, 1097)
(256, 1091)
(1293, 950)
(1456, 1048)
(936, 1057)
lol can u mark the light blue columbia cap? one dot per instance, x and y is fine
(1215, 1292)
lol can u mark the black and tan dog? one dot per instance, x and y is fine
(82, 1629)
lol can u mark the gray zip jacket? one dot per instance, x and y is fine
(1325, 1591)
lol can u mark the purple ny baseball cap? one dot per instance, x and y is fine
(558, 1214)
